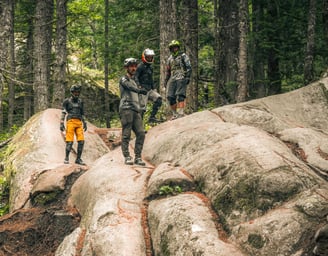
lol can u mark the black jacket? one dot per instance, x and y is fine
(144, 76)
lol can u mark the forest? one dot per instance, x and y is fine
(239, 49)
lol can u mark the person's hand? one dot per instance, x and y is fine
(187, 80)
(143, 91)
(62, 127)
(85, 127)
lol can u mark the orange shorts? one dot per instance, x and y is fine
(74, 126)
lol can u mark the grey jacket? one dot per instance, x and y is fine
(129, 94)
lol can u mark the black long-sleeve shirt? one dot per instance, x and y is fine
(144, 76)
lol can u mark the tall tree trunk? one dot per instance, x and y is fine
(42, 53)
(28, 90)
(94, 44)
(257, 51)
(220, 95)
(228, 48)
(273, 59)
(168, 32)
(11, 83)
(325, 20)
(60, 82)
(106, 56)
(190, 8)
(5, 27)
(325, 23)
(242, 56)
(309, 54)
(218, 83)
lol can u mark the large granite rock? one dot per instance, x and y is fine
(243, 179)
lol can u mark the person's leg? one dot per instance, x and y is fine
(80, 145)
(156, 98)
(143, 99)
(140, 138)
(181, 96)
(68, 148)
(80, 141)
(171, 97)
(126, 122)
(69, 138)
(180, 106)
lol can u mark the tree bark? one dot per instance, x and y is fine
(242, 56)
(309, 54)
(12, 68)
(190, 35)
(168, 32)
(106, 71)
(325, 20)
(273, 58)
(60, 82)
(226, 53)
(5, 30)
(257, 68)
(28, 90)
(42, 53)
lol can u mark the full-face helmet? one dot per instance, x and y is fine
(148, 56)
(174, 43)
(75, 91)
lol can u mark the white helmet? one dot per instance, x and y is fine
(129, 61)
(148, 56)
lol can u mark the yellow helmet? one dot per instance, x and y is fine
(174, 43)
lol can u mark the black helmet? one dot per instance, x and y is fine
(75, 88)
(130, 61)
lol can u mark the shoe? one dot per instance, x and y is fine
(175, 116)
(139, 161)
(154, 120)
(128, 160)
(79, 161)
(66, 161)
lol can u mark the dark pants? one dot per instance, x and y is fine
(176, 91)
(132, 121)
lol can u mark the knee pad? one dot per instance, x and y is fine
(171, 100)
(181, 98)
(158, 102)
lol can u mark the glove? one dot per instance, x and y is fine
(85, 127)
(143, 91)
(187, 80)
(62, 127)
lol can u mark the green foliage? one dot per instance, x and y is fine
(126, 39)
(43, 199)
(5, 135)
(256, 241)
(206, 55)
(4, 196)
(5, 177)
(293, 83)
(243, 196)
(160, 115)
(170, 190)
(276, 30)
